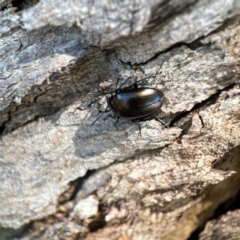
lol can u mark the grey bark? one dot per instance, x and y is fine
(62, 177)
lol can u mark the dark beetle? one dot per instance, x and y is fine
(136, 104)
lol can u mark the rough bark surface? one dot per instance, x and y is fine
(227, 227)
(62, 177)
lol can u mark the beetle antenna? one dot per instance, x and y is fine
(152, 75)
(98, 118)
(106, 110)
(124, 82)
(162, 122)
(117, 83)
(157, 72)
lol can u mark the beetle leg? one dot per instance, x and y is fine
(161, 121)
(135, 85)
(114, 116)
(109, 115)
(105, 111)
(117, 83)
(152, 75)
(139, 127)
(116, 122)
(100, 116)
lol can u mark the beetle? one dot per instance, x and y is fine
(136, 104)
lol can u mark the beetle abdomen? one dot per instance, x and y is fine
(138, 102)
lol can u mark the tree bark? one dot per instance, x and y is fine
(62, 177)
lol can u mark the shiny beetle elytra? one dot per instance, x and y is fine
(135, 104)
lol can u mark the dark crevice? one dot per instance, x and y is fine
(197, 44)
(206, 103)
(3, 126)
(229, 205)
(72, 194)
(87, 187)
(187, 115)
(98, 222)
(69, 195)
(172, 47)
(235, 204)
(194, 45)
(74, 187)
(36, 118)
(201, 119)
(226, 23)
(129, 64)
(2, 129)
(5, 8)
(24, 4)
(195, 234)
(5, 130)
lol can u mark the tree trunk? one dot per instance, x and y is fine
(64, 173)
